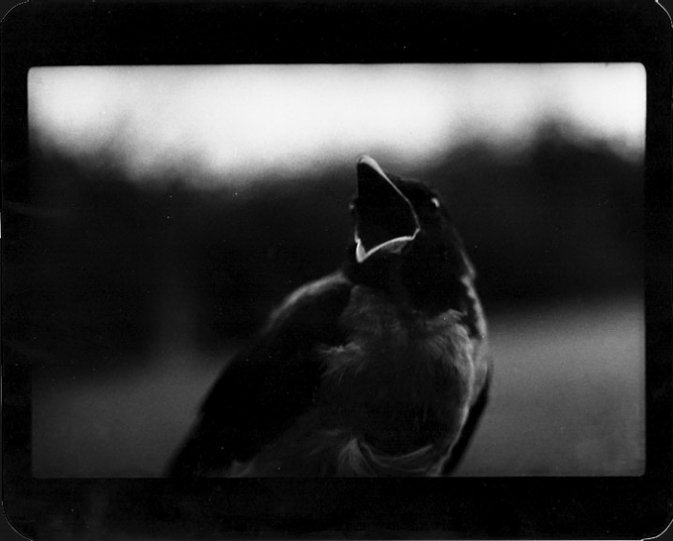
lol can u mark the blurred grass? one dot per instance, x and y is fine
(126, 425)
(568, 394)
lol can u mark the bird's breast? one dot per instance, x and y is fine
(402, 381)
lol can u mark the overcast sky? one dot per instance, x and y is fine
(242, 122)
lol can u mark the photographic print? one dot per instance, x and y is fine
(336, 270)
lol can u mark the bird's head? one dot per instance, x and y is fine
(404, 240)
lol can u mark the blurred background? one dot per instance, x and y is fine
(175, 206)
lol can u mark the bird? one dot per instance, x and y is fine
(379, 369)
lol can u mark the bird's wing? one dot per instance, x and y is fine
(465, 438)
(265, 388)
(476, 324)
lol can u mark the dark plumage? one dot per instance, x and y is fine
(372, 370)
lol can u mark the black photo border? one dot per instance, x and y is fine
(115, 33)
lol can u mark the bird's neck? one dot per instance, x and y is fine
(427, 283)
(382, 274)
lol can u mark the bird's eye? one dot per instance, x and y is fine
(435, 202)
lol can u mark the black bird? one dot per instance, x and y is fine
(378, 369)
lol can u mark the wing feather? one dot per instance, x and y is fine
(266, 387)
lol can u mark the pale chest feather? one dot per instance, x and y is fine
(401, 382)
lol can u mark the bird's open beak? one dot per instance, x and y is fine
(385, 218)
